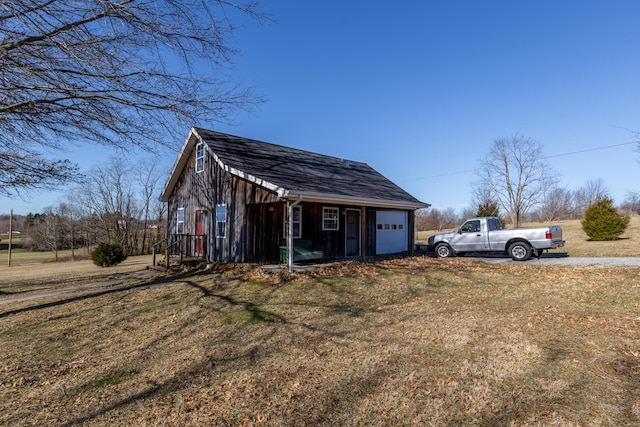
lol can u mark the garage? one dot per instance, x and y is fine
(391, 232)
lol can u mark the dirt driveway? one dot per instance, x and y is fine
(69, 269)
(67, 279)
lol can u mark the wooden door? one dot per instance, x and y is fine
(352, 233)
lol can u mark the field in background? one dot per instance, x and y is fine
(578, 243)
(20, 255)
(417, 341)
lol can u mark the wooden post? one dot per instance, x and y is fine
(10, 237)
(363, 233)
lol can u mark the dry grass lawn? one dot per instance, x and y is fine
(64, 273)
(404, 342)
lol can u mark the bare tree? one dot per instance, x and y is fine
(148, 177)
(109, 194)
(631, 203)
(120, 73)
(593, 191)
(558, 203)
(434, 219)
(47, 232)
(516, 174)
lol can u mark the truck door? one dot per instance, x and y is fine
(470, 237)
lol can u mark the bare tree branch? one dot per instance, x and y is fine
(124, 73)
(515, 173)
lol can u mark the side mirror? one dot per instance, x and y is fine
(459, 230)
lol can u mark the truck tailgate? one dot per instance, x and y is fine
(556, 236)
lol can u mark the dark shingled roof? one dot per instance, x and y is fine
(297, 172)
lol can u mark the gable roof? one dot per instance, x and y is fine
(294, 173)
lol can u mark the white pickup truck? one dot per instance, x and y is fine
(485, 234)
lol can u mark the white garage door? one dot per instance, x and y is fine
(391, 232)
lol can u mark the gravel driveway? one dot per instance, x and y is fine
(560, 259)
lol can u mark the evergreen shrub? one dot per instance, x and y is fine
(108, 254)
(602, 221)
(489, 208)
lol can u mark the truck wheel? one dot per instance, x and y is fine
(443, 250)
(520, 251)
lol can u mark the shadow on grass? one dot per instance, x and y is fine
(498, 255)
(161, 281)
(5, 246)
(608, 240)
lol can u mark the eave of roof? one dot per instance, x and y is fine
(360, 201)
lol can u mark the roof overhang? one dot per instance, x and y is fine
(350, 200)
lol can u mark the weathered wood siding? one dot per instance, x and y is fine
(204, 191)
(265, 232)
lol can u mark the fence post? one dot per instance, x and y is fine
(204, 247)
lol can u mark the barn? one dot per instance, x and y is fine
(234, 199)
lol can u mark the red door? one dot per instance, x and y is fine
(198, 237)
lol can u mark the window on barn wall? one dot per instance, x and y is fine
(297, 221)
(180, 221)
(221, 221)
(330, 219)
(200, 157)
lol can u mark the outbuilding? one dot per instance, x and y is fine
(234, 199)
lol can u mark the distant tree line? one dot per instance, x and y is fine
(116, 203)
(515, 184)
(556, 204)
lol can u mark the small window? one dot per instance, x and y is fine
(180, 221)
(221, 221)
(330, 219)
(379, 226)
(200, 157)
(297, 221)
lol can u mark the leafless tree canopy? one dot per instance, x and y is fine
(515, 173)
(117, 72)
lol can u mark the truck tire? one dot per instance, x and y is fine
(443, 250)
(520, 251)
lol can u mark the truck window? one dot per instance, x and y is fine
(471, 226)
(494, 224)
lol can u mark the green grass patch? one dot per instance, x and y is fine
(109, 380)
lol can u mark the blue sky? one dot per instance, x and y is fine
(421, 89)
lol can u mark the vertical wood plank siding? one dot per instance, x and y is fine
(203, 191)
(255, 217)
